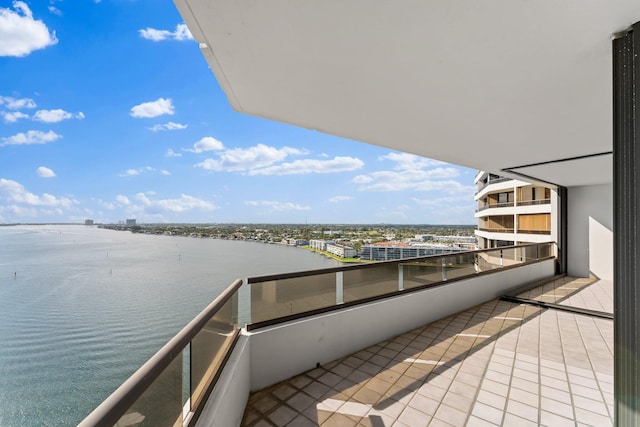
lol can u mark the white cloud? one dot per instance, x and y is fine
(31, 137)
(171, 153)
(406, 161)
(244, 159)
(337, 199)
(207, 143)
(122, 200)
(14, 192)
(418, 180)
(17, 103)
(14, 116)
(362, 179)
(277, 206)
(55, 116)
(457, 209)
(55, 10)
(307, 166)
(135, 172)
(20, 34)
(165, 172)
(182, 204)
(180, 33)
(44, 172)
(167, 126)
(153, 109)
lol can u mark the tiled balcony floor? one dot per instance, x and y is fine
(498, 363)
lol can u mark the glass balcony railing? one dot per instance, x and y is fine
(534, 231)
(496, 205)
(534, 202)
(496, 229)
(285, 297)
(171, 388)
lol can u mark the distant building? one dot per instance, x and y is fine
(88, 222)
(296, 242)
(341, 250)
(131, 222)
(402, 251)
(320, 245)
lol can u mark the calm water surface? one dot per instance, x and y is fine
(86, 307)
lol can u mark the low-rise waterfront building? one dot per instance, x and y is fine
(341, 250)
(320, 245)
(381, 252)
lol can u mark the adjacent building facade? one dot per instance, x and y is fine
(512, 212)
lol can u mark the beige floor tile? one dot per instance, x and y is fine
(516, 376)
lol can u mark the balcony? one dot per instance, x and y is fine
(500, 363)
(534, 231)
(305, 326)
(496, 229)
(495, 205)
(482, 185)
(534, 202)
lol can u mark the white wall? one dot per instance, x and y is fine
(590, 231)
(282, 351)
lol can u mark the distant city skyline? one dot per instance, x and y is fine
(108, 111)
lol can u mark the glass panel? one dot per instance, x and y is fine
(511, 257)
(280, 298)
(531, 252)
(459, 265)
(209, 347)
(544, 250)
(161, 404)
(369, 282)
(489, 260)
(422, 273)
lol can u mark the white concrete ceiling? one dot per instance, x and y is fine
(488, 84)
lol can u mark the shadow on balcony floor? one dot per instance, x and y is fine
(499, 363)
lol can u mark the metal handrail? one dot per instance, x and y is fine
(117, 404)
(282, 276)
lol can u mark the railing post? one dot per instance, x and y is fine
(444, 270)
(400, 277)
(501, 261)
(339, 288)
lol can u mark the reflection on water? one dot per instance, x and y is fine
(82, 308)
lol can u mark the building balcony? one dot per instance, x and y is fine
(496, 229)
(534, 202)
(499, 363)
(533, 231)
(307, 325)
(481, 185)
(495, 205)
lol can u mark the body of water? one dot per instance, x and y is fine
(81, 308)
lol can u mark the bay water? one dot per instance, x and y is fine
(81, 308)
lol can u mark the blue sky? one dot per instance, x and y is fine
(109, 111)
